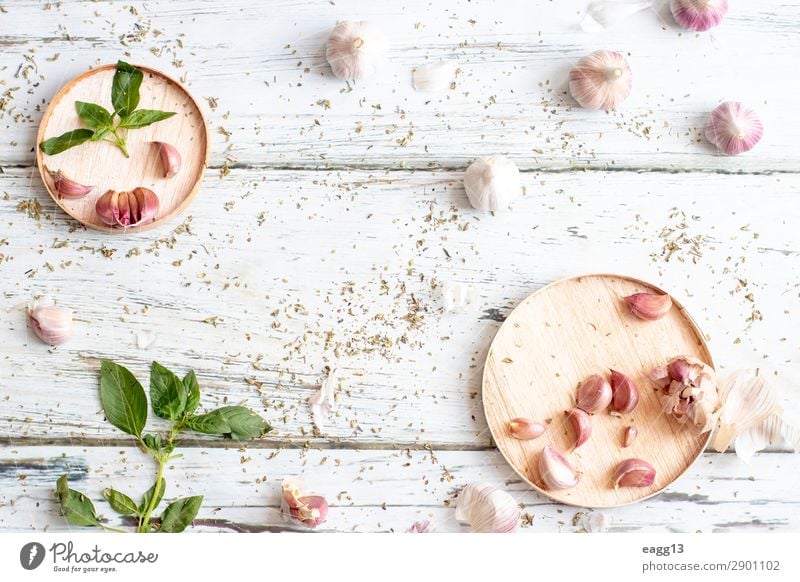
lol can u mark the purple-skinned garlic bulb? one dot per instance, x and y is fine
(734, 128)
(698, 15)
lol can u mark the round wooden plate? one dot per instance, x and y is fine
(103, 165)
(556, 338)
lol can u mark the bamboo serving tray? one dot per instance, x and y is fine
(104, 166)
(553, 340)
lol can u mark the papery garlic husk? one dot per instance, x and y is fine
(601, 80)
(634, 473)
(748, 399)
(170, 158)
(68, 188)
(649, 306)
(310, 510)
(770, 431)
(457, 296)
(734, 128)
(625, 393)
(630, 435)
(52, 324)
(487, 509)
(698, 15)
(606, 13)
(525, 429)
(555, 471)
(434, 77)
(323, 403)
(127, 209)
(595, 522)
(689, 392)
(421, 527)
(594, 394)
(492, 183)
(581, 426)
(356, 50)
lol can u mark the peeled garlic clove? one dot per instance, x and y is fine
(525, 429)
(492, 183)
(170, 158)
(634, 473)
(356, 50)
(630, 435)
(581, 425)
(310, 510)
(698, 15)
(594, 394)
(52, 324)
(555, 470)
(625, 393)
(487, 509)
(601, 80)
(67, 188)
(734, 128)
(649, 306)
(605, 14)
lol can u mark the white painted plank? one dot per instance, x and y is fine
(342, 253)
(384, 490)
(264, 62)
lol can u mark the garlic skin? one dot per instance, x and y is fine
(649, 306)
(698, 15)
(555, 470)
(581, 426)
(625, 393)
(421, 527)
(170, 158)
(734, 128)
(67, 188)
(634, 473)
(356, 50)
(53, 325)
(594, 394)
(526, 429)
(492, 183)
(457, 296)
(487, 509)
(689, 392)
(127, 209)
(769, 431)
(310, 510)
(434, 77)
(595, 522)
(601, 80)
(323, 403)
(606, 13)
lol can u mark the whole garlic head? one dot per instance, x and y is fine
(487, 509)
(601, 80)
(734, 128)
(698, 15)
(356, 50)
(492, 183)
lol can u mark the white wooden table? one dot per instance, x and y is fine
(330, 213)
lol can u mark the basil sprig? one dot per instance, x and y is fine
(176, 400)
(105, 125)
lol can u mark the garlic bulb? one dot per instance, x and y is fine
(734, 128)
(689, 392)
(492, 183)
(356, 50)
(699, 15)
(310, 510)
(52, 324)
(487, 509)
(434, 77)
(323, 403)
(606, 13)
(601, 80)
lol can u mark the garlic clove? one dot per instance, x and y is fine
(487, 509)
(625, 393)
(748, 400)
(734, 128)
(649, 306)
(107, 208)
(581, 425)
(601, 80)
(127, 209)
(356, 50)
(147, 203)
(634, 473)
(630, 435)
(53, 325)
(525, 428)
(492, 183)
(434, 77)
(698, 15)
(310, 510)
(67, 188)
(606, 13)
(170, 158)
(555, 470)
(594, 394)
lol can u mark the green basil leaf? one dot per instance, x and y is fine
(76, 508)
(179, 514)
(148, 496)
(125, 88)
(236, 422)
(101, 133)
(167, 392)
(143, 118)
(120, 502)
(123, 398)
(93, 115)
(56, 145)
(153, 442)
(193, 392)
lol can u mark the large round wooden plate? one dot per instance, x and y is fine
(103, 165)
(564, 333)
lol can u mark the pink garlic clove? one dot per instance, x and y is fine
(630, 435)
(594, 394)
(67, 188)
(525, 428)
(107, 207)
(634, 473)
(581, 425)
(170, 158)
(52, 324)
(698, 15)
(625, 393)
(555, 470)
(310, 510)
(649, 306)
(127, 209)
(734, 128)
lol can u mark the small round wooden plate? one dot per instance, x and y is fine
(103, 165)
(559, 336)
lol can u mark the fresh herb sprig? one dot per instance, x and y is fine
(174, 399)
(104, 125)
